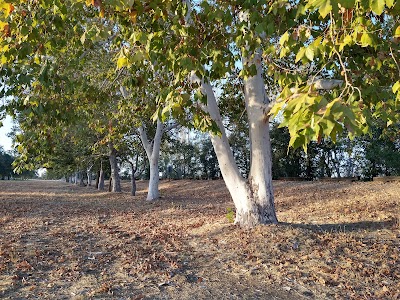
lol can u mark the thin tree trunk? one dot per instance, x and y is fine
(89, 176)
(76, 178)
(101, 177)
(116, 182)
(81, 179)
(97, 179)
(133, 180)
(110, 184)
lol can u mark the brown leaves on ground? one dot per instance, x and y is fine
(335, 241)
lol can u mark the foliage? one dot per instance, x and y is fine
(285, 162)
(382, 155)
(5, 164)
(191, 158)
(355, 43)
(336, 40)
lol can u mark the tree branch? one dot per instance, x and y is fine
(326, 84)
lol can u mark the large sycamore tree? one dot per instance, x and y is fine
(337, 63)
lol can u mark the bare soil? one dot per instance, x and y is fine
(336, 240)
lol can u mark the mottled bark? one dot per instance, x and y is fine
(253, 197)
(116, 182)
(97, 179)
(101, 177)
(153, 154)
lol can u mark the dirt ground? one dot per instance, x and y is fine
(336, 240)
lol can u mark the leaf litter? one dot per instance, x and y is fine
(336, 240)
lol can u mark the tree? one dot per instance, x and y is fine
(6, 160)
(196, 44)
(381, 153)
(286, 162)
(209, 160)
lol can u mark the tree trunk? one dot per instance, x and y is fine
(153, 192)
(253, 198)
(153, 154)
(261, 207)
(133, 180)
(76, 178)
(81, 179)
(97, 180)
(116, 182)
(89, 176)
(101, 177)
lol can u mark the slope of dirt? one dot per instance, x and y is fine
(335, 241)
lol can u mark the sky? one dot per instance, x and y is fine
(5, 141)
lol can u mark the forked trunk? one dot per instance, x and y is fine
(253, 197)
(153, 154)
(116, 182)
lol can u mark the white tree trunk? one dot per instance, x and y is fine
(89, 176)
(116, 182)
(260, 176)
(101, 177)
(253, 198)
(153, 154)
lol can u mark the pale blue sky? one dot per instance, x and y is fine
(5, 141)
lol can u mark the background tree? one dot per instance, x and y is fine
(6, 160)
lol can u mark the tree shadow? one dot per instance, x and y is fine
(345, 227)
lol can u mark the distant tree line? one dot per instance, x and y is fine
(194, 157)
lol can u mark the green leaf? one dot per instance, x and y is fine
(397, 32)
(347, 3)
(367, 39)
(390, 3)
(122, 62)
(83, 38)
(300, 54)
(396, 87)
(377, 6)
(284, 38)
(325, 8)
(330, 125)
(310, 53)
